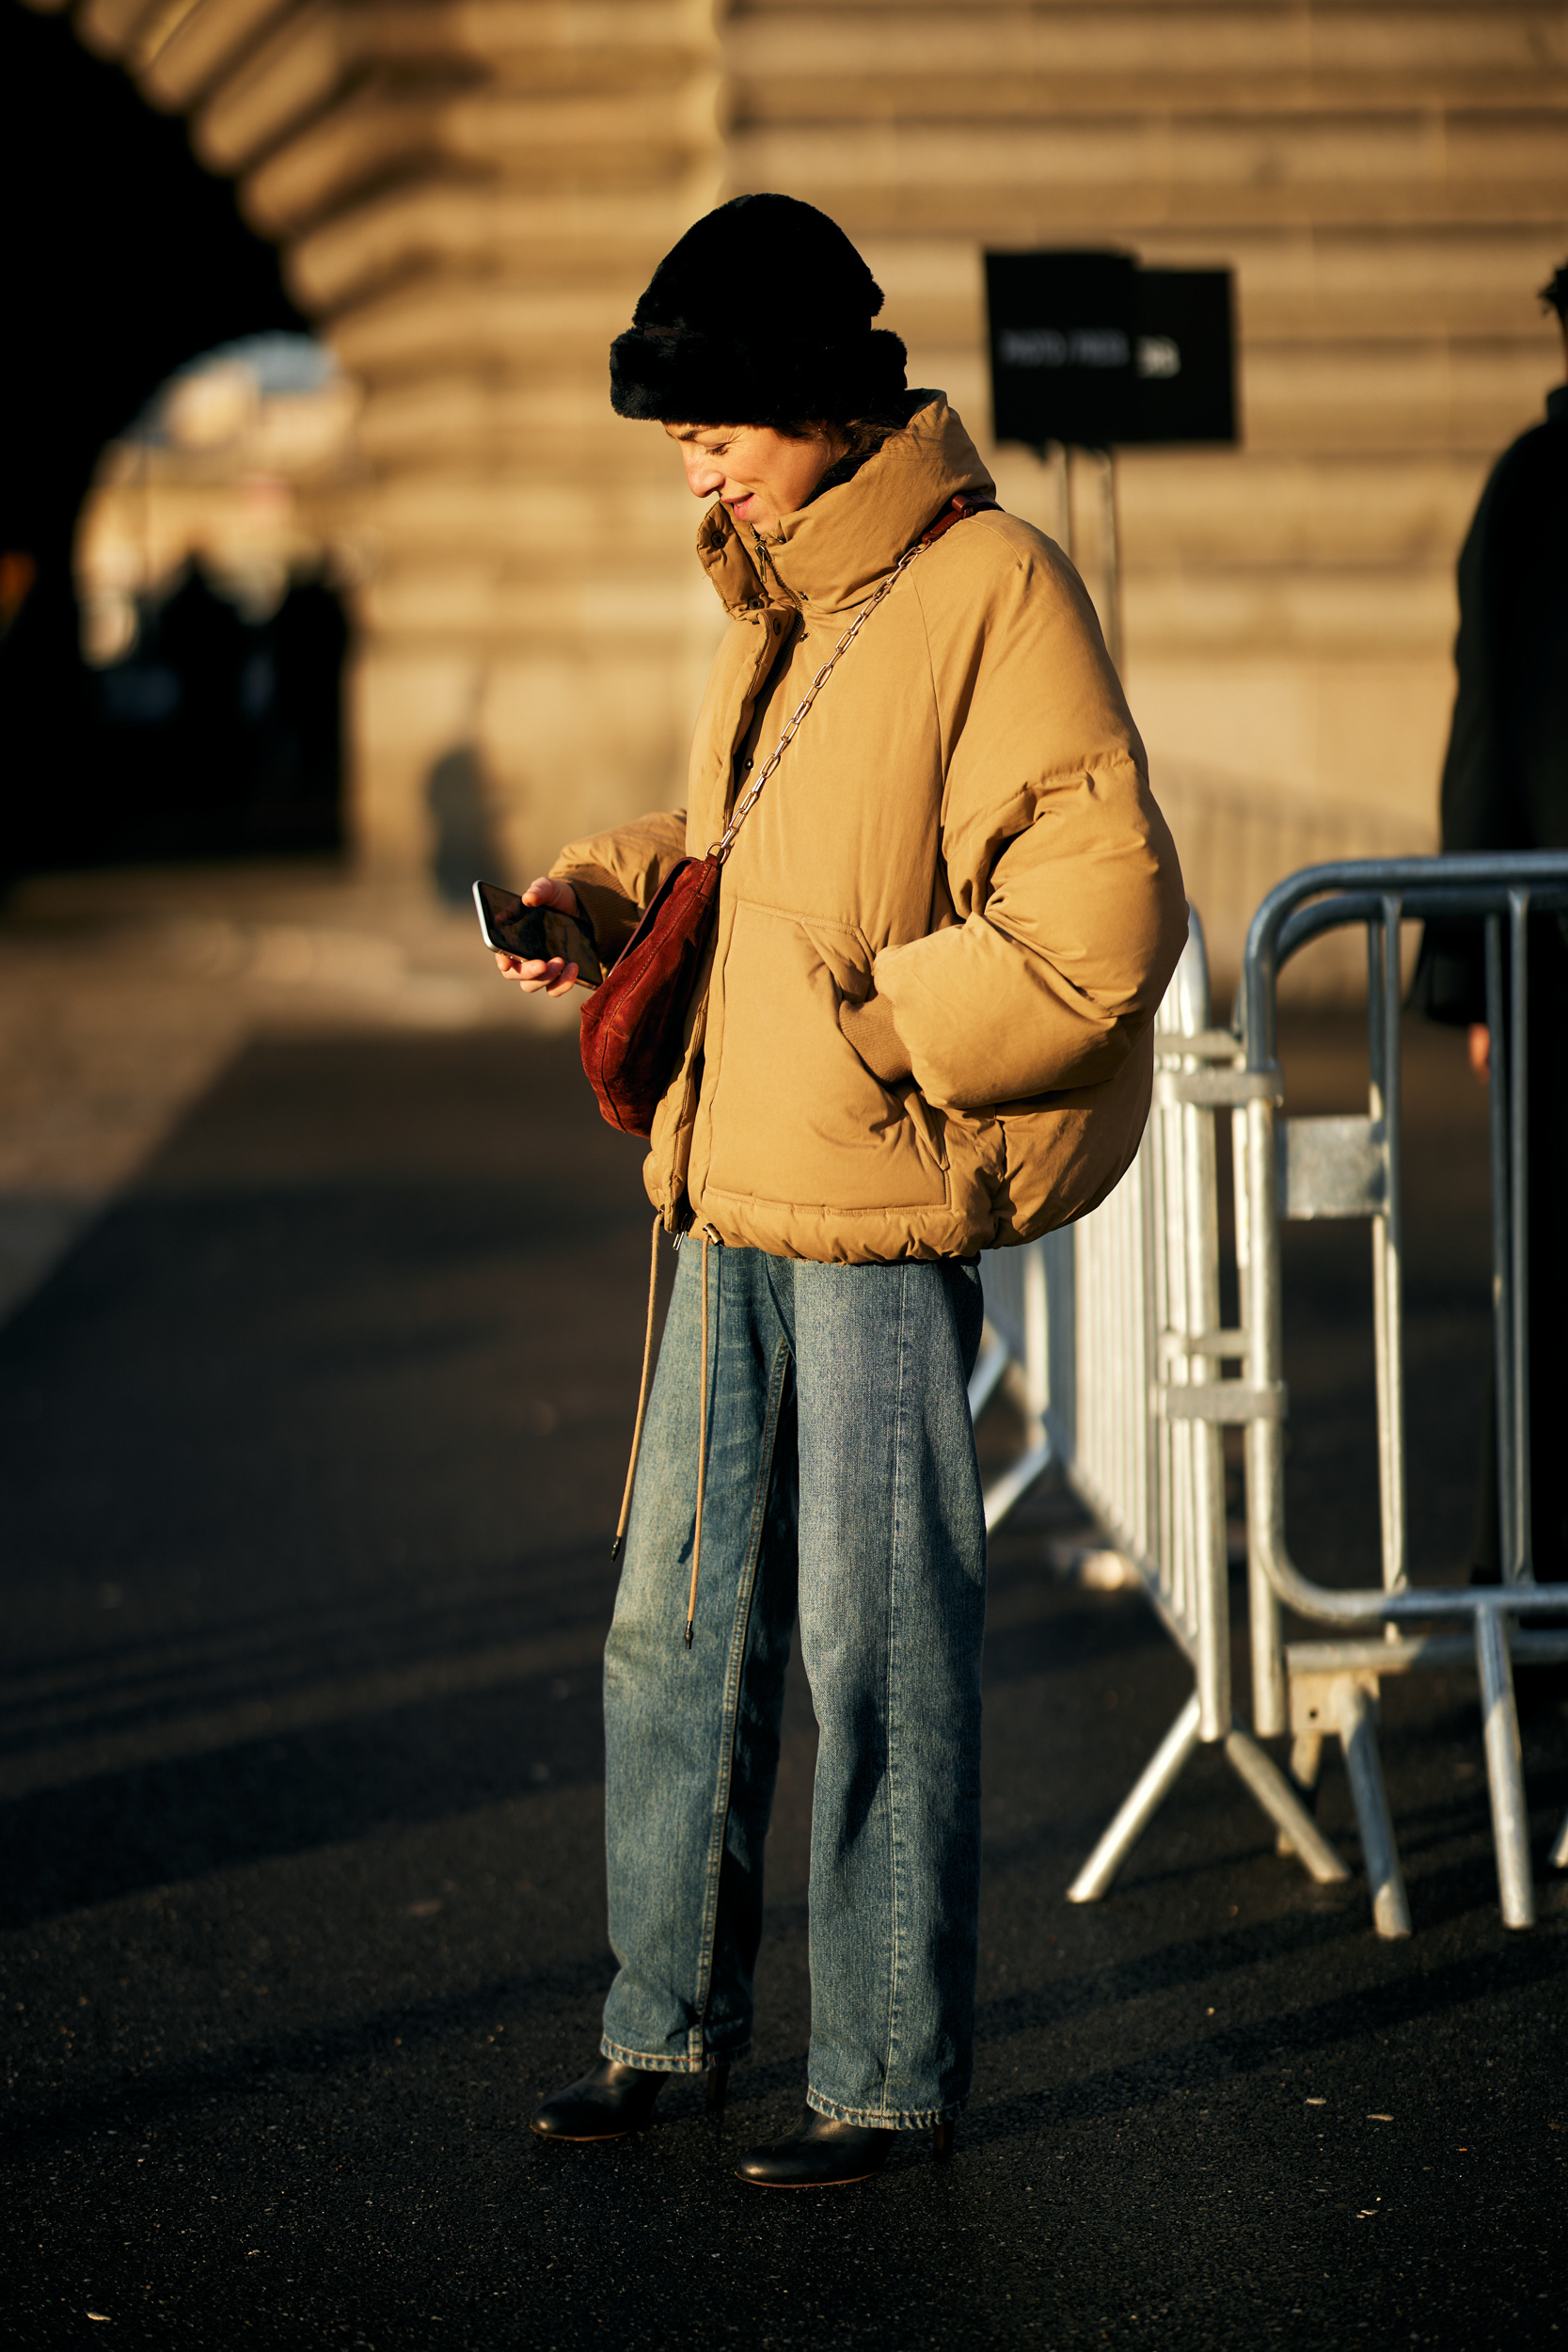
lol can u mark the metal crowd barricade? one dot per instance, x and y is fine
(1106, 1336)
(1310, 1168)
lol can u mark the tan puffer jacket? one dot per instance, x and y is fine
(945, 927)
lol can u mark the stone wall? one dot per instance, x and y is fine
(470, 194)
(1390, 183)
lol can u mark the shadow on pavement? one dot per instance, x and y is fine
(310, 1454)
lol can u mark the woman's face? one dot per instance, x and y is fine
(757, 473)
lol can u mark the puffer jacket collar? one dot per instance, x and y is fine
(829, 555)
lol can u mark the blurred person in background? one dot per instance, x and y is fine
(926, 1029)
(1505, 787)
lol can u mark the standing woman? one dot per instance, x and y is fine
(944, 925)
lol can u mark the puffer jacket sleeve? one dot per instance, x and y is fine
(1060, 867)
(617, 875)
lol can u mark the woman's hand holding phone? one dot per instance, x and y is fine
(553, 974)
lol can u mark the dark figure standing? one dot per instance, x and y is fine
(1505, 787)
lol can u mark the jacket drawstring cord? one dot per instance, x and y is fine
(641, 1395)
(702, 1464)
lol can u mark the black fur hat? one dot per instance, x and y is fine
(760, 315)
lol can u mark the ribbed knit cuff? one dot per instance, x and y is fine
(871, 1030)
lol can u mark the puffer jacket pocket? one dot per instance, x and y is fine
(796, 1117)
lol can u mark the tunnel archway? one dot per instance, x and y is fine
(125, 259)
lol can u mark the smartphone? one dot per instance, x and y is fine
(535, 934)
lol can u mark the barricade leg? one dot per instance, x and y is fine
(990, 1366)
(1299, 1833)
(1505, 1771)
(1354, 1718)
(1306, 1759)
(1015, 1481)
(1154, 1783)
(1558, 1856)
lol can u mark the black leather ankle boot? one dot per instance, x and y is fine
(823, 2154)
(613, 2101)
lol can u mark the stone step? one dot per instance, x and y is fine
(317, 55)
(567, 237)
(458, 597)
(180, 54)
(811, 90)
(622, 139)
(993, 179)
(550, 332)
(1169, 55)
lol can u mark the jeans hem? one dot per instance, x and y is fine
(650, 2065)
(884, 2119)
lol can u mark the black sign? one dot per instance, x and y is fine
(1087, 348)
(1063, 326)
(1185, 356)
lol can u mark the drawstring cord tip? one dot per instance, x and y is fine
(621, 1523)
(689, 1625)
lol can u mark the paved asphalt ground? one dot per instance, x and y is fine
(310, 1454)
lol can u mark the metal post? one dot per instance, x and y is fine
(1265, 1439)
(1355, 1719)
(1036, 1342)
(1382, 955)
(1154, 1784)
(1519, 1567)
(1306, 1758)
(990, 1368)
(1505, 1771)
(1027, 1383)
(1299, 1833)
(1503, 1245)
(1111, 531)
(1210, 1601)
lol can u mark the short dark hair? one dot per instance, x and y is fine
(863, 436)
(1554, 292)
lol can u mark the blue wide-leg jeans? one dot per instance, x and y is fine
(841, 1488)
